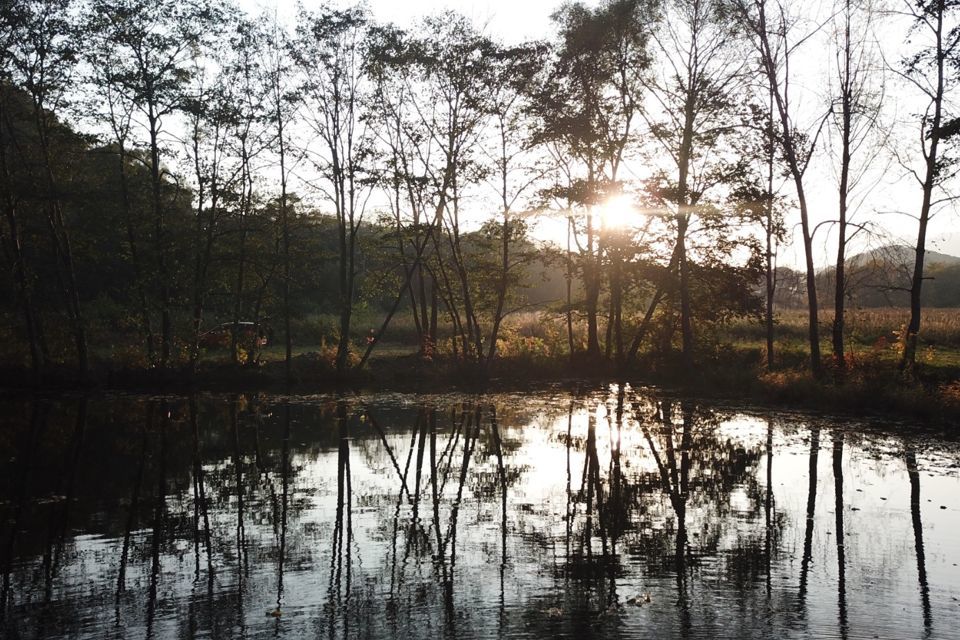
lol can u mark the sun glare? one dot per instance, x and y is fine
(618, 211)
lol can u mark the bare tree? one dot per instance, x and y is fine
(691, 111)
(855, 118)
(773, 32)
(757, 201)
(251, 134)
(513, 72)
(405, 187)
(931, 71)
(212, 115)
(435, 122)
(282, 101)
(417, 165)
(329, 52)
(453, 69)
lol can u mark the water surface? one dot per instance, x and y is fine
(612, 512)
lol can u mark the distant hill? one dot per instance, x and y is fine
(881, 278)
(901, 256)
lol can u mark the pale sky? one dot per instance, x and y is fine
(518, 20)
(513, 20)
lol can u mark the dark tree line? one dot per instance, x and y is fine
(170, 167)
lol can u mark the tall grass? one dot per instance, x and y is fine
(939, 326)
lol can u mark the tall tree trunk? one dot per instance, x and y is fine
(845, 134)
(569, 279)
(908, 360)
(345, 303)
(686, 325)
(353, 228)
(434, 312)
(159, 238)
(417, 261)
(658, 296)
(797, 167)
(472, 338)
(285, 226)
(200, 284)
(684, 206)
(616, 304)
(770, 278)
(505, 243)
(770, 275)
(205, 234)
(813, 327)
(238, 295)
(418, 297)
(422, 292)
(502, 281)
(591, 285)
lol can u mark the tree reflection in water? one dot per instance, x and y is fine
(341, 565)
(25, 458)
(284, 495)
(134, 507)
(159, 519)
(601, 513)
(914, 475)
(840, 535)
(676, 484)
(811, 511)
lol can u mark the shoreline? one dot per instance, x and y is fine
(866, 391)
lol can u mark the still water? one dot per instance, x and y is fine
(609, 512)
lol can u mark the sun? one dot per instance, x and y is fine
(618, 211)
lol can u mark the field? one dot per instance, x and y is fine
(939, 327)
(871, 333)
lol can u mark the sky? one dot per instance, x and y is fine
(884, 200)
(513, 20)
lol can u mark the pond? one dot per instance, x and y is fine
(611, 512)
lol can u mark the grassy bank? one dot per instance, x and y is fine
(868, 387)
(730, 364)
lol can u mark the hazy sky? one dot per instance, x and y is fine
(514, 20)
(517, 20)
